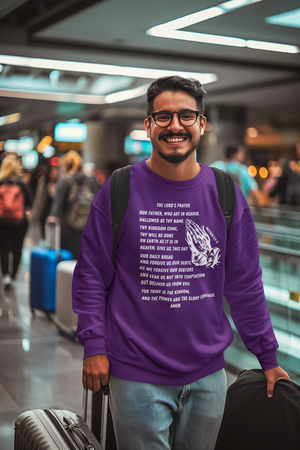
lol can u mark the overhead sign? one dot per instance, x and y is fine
(11, 145)
(30, 160)
(21, 146)
(137, 147)
(70, 132)
(25, 145)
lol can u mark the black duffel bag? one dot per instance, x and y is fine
(253, 421)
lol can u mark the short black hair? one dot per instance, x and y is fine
(175, 83)
(232, 149)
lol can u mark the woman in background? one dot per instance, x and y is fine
(72, 180)
(16, 195)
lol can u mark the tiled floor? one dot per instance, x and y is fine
(38, 367)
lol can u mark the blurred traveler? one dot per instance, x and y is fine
(235, 155)
(43, 199)
(14, 199)
(100, 176)
(89, 169)
(97, 174)
(154, 321)
(288, 185)
(269, 184)
(36, 174)
(72, 200)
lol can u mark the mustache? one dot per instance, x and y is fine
(170, 134)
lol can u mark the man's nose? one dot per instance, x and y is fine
(175, 123)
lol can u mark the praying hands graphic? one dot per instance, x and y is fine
(199, 243)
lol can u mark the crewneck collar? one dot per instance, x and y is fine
(187, 184)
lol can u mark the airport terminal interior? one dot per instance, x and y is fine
(73, 76)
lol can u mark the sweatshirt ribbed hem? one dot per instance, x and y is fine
(93, 347)
(127, 372)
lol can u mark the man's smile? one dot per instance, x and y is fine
(174, 139)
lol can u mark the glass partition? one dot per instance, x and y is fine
(278, 232)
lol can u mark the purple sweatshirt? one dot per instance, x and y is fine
(158, 314)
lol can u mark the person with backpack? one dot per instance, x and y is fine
(150, 315)
(15, 197)
(43, 198)
(233, 163)
(74, 192)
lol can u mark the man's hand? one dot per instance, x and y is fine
(272, 376)
(95, 372)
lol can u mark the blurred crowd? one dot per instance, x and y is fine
(49, 193)
(280, 184)
(62, 192)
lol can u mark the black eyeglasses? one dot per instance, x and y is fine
(163, 119)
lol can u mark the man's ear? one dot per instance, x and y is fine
(202, 125)
(147, 127)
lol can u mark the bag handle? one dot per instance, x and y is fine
(53, 233)
(103, 426)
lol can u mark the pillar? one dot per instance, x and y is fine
(228, 124)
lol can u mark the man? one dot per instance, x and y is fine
(235, 155)
(154, 323)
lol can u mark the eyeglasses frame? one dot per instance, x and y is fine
(153, 114)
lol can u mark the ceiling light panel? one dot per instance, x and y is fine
(106, 69)
(287, 19)
(234, 4)
(173, 29)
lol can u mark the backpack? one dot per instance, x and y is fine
(119, 194)
(79, 204)
(11, 204)
(251, 420)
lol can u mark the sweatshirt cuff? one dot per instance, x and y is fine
(268, 360)
(92, 347)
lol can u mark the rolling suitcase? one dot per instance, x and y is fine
(51, 429)
(43, 270)
(253, 421)
(65, 318)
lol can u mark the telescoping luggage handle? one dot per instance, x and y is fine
(52, 234)
(103, 419)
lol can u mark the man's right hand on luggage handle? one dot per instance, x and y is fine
(273, 375)
(95, 372)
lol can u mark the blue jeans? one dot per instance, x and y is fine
(158, 417)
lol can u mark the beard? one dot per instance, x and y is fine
(175, 158)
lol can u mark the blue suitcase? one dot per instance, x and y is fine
(43, 270)
(43, 277)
